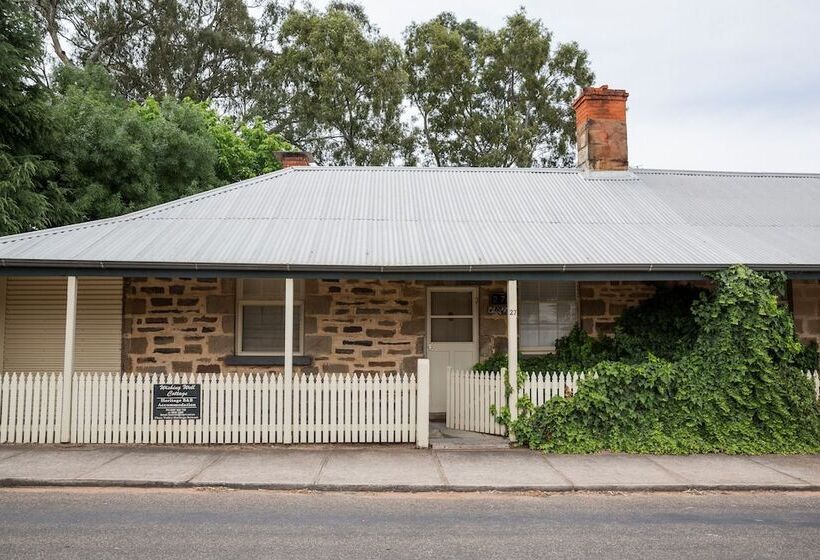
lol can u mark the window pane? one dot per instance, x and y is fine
(565, 290)
(528, 290)
(263, 328)
(529, 336)
(564, 330)
(547, 311)
(529, 312)
(451, 330)
(451, 303)
(566, 312)
(547, 336)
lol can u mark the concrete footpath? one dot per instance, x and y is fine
(397, 468)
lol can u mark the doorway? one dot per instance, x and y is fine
(452, 337)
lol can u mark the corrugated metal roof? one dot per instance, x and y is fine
(347, 218)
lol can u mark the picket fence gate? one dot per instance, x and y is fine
(471, 395)
(237, 408)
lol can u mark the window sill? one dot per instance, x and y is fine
(537, 351)
(266, 360)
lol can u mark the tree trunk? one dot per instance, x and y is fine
(48, 11)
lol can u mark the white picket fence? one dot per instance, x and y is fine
(541, 387)
(236, 408)
(470, 395)
(470, 398)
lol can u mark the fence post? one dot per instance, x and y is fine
(68, 358)
(423, 404)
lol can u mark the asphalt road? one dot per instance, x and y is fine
(111, 523)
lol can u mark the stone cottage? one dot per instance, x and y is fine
(344, 269)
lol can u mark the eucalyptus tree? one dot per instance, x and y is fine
(332, 84)
(202, 49)
(494, 98)
(26, 194)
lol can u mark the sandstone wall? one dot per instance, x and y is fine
(602, 302)
(179, 324)
(364, 324)
(188, 325)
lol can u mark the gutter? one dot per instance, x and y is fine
(20, 267)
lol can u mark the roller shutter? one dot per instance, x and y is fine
(34, 324)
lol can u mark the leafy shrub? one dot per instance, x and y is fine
(662, 325)
(808, 358)
(738, 389)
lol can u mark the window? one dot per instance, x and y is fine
(547, 311)
(261, 316)
(451, 316)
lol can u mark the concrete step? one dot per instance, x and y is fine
(442, 437)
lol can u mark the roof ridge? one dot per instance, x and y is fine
(434, 169)
(706, 173)
(144, 211)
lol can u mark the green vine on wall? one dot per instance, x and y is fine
(736, 387)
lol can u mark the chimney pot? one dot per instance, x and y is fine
(600, 129)
(294, 158)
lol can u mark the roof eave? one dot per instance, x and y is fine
(613, 271)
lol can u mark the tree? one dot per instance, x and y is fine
(24, 187)
(494, 98)
(116, 156)
(334, 86)
(202, 49)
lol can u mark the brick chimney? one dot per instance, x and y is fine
(600, 129)
(294, 158)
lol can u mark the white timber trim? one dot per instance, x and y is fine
(512, 349)
(68, 358)
(288, 358)
(2, 323)
(423, 404)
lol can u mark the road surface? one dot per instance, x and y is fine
(114, 523)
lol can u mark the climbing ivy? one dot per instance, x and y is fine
(662, 325)
(738, 388)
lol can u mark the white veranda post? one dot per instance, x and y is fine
(512, 347)
(68, 358)
(288, 360)
(423, 403)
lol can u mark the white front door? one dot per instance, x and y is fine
(452, 337)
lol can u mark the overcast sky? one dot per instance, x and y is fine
(722, 84)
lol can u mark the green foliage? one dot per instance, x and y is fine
(494, 98)
(330, 81)
(336, 86)
(738, 389)
(200, 49)
(661, 326)
(575, 352)
(116, 156)
(24, 125)
(808, 358)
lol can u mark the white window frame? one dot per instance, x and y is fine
(475, 302)
(537, 350)
(298, 311)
